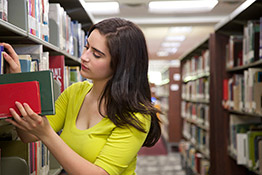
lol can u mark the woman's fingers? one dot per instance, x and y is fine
(12, 58)
(31, 114)
(18, 122)
(11, 51)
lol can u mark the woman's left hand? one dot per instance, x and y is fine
(30, 121)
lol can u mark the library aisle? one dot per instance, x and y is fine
(159, 160)
(165, 164)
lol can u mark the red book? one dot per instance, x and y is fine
(225, 89)
(24, 92)
(57, 66)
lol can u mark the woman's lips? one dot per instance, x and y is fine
(84, 67)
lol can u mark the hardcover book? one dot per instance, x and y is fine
(24, 92)
(46, 83)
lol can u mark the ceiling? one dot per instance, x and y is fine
(156, 26)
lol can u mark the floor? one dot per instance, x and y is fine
(159, 160)
(168, 164)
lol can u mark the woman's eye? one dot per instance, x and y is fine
(95, 55)
(86, 47)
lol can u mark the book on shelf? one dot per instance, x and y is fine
(260, 156)
(2, 60)
(57, 66)
(251, 41)
(239, 124)
(74, 74)
(36, 53)
(24, 92)
(260, 39)
(4, 10)
(243, 92)
(234, 51)
(46, 82)
(253, 147)
(25, 62)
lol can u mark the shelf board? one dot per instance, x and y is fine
(54, 171)
(12, 34)
(9, 30)
(204, 101)
(244, 67)
(76, 10)
(195, 77)
(244, 113)
(232, 24)
(203, 45)
(234, 157)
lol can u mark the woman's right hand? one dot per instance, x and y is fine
(11, 58)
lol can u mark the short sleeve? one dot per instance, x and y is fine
(57, 121)
(122, 147)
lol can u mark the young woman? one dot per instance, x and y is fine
(106, 122)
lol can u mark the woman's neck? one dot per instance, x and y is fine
(97, 89)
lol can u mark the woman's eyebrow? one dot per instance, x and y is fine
(98, 51)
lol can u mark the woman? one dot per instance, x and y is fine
(104, 124)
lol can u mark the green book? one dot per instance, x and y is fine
(251, 145)
(46, 83)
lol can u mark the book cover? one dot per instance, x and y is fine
(242, 148)
(24, 92)
(57, 66)
(260, 156)
(251, 144)
(46, 83)
(1, 59)
(260, 39)
(25, 62)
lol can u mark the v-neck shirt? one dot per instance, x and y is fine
(104, 144)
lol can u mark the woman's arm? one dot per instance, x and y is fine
(39, 127)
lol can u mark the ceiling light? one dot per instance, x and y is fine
(102, 7)
(170, 44)
(175, 38)
(190, 6)
(162, 53)
(184, 29)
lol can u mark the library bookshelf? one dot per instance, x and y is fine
(234, 94)
(17, 29)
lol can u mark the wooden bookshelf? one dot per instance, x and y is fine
(15, 31)
(195, 103)
(222, 159)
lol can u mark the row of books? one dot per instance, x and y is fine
(196, 90)
(3, 10)
(243, 92)
(47, 21)
(193, 159)
(33, 58)
(245, 49)
(38, 18)
(70, 32)
(245, 142)
(197, 136)
(195, 113)
(197, 65)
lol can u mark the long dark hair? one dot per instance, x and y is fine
(128, 91)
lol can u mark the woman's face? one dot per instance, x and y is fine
(95, 60)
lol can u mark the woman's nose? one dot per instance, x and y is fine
(85, 56)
